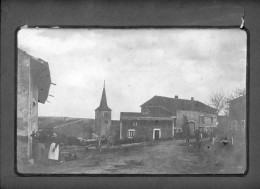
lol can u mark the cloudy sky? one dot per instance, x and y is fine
(136, 65)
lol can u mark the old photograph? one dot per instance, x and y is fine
(131, 101)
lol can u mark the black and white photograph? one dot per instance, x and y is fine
(117, 101)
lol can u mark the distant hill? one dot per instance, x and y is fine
(75, 127)
(46, 122)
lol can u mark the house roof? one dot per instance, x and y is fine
(240, 98)
(131, 114)
(41, 74)
(103, 103)
(174, 104)
(159, 112)
(153, 112)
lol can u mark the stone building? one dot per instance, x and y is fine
(162, 117)
(237, 113)
(154, 124)
(222, 124)
(33, 83)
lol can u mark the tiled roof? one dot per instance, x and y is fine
(174, 104)
(159, 112)
(131, 114)
(240, 98)
(153, 112)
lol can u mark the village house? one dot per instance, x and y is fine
(153, 124)
(162, 117)
(237, 126)
(222, 124)
(33, 83)
(237, 113)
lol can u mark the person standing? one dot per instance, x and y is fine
(39, 154)
(54, 151)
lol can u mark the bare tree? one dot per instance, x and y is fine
(237, 92)
(218, 100)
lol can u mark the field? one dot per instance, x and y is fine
(163, 157)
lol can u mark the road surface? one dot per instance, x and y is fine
(161, 157)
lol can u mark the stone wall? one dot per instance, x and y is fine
(102, 123)
(27, 106)
(195, 116)
(144, 128)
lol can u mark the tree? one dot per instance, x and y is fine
(237, 92)
(220, 100)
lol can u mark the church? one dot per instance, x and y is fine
(104, 125)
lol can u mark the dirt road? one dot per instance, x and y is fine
(164, 157)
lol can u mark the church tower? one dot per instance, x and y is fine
(103, 116)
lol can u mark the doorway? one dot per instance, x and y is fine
(192, 127)
(157, 134)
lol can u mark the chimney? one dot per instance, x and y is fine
(192, 98)
(176, 96)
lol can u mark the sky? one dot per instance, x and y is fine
(136, 65)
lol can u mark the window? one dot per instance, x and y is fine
(131, 133)
(105, 114)
(135, 124)
(211, 119)
(234, 125)
(242, 123)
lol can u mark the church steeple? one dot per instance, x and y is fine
(103, 103)
(103, 116)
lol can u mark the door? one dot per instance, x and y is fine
(157, 134)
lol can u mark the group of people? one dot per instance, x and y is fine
(45, 147)
(197, 133)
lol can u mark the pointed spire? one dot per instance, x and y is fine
(103, 103)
